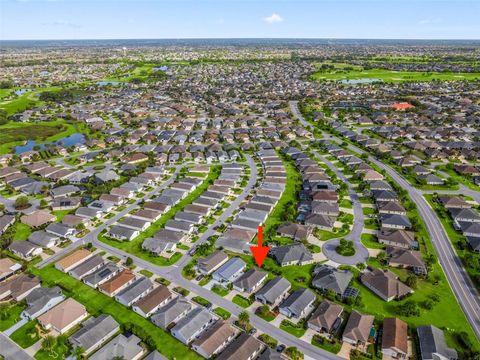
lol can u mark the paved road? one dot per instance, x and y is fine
(329, 248)
(227, 213)
(461, 284)
(92, 236)
(10, 350)
(173, 274)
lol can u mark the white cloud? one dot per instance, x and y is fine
(430, 21)
(272, 19)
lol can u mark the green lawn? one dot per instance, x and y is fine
(224, 314)
(282, 211)
(59, 351)
(60, 214)
(11, 315)
(291, 328)
(241, 301)
(389, 76)
(324, 235)
(325, 344)
(370, 242)
(220, 290)
(13, 134)
(463, 179)
(27, 335)
(146, 273)
(22, 231)
(368, 211)
(346, 203)
(200, 300)
(134, 247)
(98, 303)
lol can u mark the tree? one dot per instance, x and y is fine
(409, 308)
(411, 281)
(243, 319)
(129, 261)
(78, 352)
(43, 204)
(382, 256)
(294, 353)
(3, 117)
(49, 343)
(21, 202)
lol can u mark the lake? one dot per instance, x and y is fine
(361, 81)
(74, 139)
(106, 83)
(19, 92)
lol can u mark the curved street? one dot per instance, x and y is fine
(461, 284)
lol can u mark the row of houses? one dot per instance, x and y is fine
(256, 210)
(191, 324)
(465, 219)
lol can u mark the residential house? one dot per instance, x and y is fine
(25, 249)
(229, 271)
(433, 345)
(121, 347)
(211, 262)
(18, 287)
(298, 304)
(76, 258)
(326, 318)
(94, 333)
(395, 338)
(294, 254)
(171, 312)
(385, 284)
(135, 291)
(329, 278)
(250, 281)
(63, 316)
(87, 267)
(358, 329)
(117, 283)
(245, 347)
(40, 300)
(274, 292)
(8, 268)
(215, 339)
(101, 275)
(192, 325)
(155, 299)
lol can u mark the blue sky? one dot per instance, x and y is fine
(125, 19)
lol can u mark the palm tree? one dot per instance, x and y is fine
(243, 318)
(78, 352)
(49, 343)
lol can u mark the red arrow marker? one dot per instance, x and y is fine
(259, 252)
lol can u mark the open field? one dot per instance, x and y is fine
(347, 72)
(13, 134)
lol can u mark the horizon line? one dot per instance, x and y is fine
(250, 38)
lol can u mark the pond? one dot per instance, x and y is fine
(74, 139)
(160, 68)
(107, 83)
(19, 92)
(361, 81)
